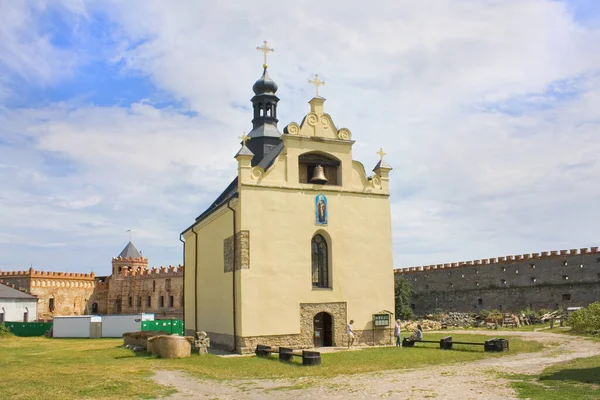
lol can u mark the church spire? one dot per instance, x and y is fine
(265, 136)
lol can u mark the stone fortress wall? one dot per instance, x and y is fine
(565, 278)
(59, 293)
(134, 288)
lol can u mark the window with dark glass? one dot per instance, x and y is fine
(171, 301)
(320, 262)
(51, 304)
(161, 301)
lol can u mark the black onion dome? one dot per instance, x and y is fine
(265, 84)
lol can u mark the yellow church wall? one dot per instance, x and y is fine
(281, 223)
(214, 286)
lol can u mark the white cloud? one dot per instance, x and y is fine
(487, 111)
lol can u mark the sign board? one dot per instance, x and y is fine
(381, 320)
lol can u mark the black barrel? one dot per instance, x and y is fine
(286, 354)
(311, 357)
(446, 343)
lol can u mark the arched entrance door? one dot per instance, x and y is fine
(323, 330)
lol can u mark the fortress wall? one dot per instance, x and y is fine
(510, 283)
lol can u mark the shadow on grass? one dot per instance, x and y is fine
(144, 354)
(585, 375)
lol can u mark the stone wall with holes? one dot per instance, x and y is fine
(565, 278)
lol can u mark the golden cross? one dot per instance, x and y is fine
(317, 83)
(244, 138)
(381, 153)
(265, 49)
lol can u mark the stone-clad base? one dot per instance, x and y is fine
(305, 339)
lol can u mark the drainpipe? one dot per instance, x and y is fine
(233, 276)
(195, 281)
(183, 304)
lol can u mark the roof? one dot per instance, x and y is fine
(130, 251)
(7, 292)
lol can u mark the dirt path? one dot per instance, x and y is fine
(464, 381)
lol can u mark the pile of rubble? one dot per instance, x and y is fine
(456, 319)
(426, 325)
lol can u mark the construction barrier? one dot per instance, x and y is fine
(26, 329)
(173, 326)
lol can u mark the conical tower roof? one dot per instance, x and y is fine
(130, 251)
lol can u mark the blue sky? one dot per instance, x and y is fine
(125, 115)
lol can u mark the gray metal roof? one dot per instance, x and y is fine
(6, 292)
(130, 251)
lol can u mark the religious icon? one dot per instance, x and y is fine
(321, 209)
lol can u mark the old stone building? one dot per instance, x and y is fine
(59, 293)
(298, 244)
(131, 288)
(134, 288)
(554, 279)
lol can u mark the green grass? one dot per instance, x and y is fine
(577, 379)
(42, 368)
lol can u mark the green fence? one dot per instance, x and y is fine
(28, 328)
(173, 326)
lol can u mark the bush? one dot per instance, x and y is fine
(4, 331)
(586, 320)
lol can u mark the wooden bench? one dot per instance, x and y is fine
(492, 345)
(286, 354)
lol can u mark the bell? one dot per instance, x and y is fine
(318, 176)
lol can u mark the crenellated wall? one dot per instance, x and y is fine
(59, 293)
(551, 279)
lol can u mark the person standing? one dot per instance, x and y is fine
(397, 333)
(350, 333)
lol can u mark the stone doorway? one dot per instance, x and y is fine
(323, 330)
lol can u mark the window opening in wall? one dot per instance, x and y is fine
(503, 269)
(565, 263)
(307, 164)
(139, 301)
(149, 302)
(26, 316)
(320, 262)
(566, 277)
(130, 302)
(452, 284)
(533, 280)
(161, 301)
(500, 307)
(516, 271)
(170, 301)
(94, 308)
(51, 304)
(168, 285)
(415, 279)
(503, 281)
(476, 283)
(480, 301)
(580, 265)
(449, 273)
(462, 275)
(532, 266)
(477, 271)
(154, 286)
(566, 297)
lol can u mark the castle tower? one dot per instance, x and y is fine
(129, 259)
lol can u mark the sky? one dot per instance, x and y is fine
(118, 115)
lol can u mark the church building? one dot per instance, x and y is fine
(298, 244)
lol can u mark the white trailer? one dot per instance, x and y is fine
(79, 326)
(116, 325)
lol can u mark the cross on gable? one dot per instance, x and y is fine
(244, 138)
(317, 82)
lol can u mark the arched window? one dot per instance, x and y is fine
(320, 262)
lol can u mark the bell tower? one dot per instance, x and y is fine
(265, 136)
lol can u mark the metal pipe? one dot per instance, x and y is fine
(233, 276)
(183, 303)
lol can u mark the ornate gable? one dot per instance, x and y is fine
(317, 124)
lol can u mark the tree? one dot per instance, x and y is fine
(403, 292)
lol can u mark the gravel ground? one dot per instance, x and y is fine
(464, 381)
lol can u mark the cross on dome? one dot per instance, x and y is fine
(265, 49)
(317, 82)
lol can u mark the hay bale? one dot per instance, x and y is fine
(172, 346)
